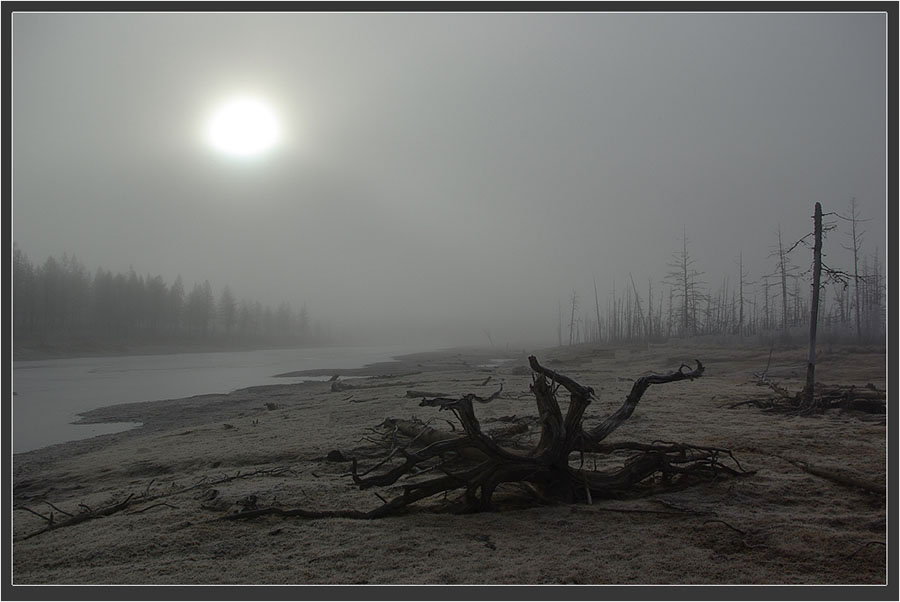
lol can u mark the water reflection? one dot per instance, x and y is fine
(50, 394)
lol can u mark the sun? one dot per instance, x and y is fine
(243, 127)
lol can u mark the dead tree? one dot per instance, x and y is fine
(868, 398)
(741, 293)
(545, 468)
(684, 279)
(476, 463)
(783, 271)
(809, 390)
(572, 319)
(637, 302)
(856, 244)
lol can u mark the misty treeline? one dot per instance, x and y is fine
(61, 301)
(771, 306)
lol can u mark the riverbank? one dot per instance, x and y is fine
(198, 459)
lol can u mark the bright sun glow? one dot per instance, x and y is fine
(243, 127)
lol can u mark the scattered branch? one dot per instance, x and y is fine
(154, 506)
(80, 518)
(863, 547)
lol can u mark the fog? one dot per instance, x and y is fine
(441, 176)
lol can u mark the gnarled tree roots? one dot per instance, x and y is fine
(474, 463)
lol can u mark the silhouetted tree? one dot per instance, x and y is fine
(158, 299)
(176, 306)
(201, 306)
(572, 320)
(303, 322)
(783, 270)
(227, 310)
(856, 238)
(24, 294)
(741, 281)
(684, 279)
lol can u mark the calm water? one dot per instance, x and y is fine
(49, 394)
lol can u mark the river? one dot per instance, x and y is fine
(50, 394)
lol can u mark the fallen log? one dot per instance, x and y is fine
(839, 476)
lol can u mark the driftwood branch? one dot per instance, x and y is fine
(841, 477)
(154, 506)
(80, 518)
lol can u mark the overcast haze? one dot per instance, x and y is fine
(441, 174)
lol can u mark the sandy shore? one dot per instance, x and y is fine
(199, 458)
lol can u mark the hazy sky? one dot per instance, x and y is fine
(441, 174)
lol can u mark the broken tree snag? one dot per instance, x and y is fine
(809, 399)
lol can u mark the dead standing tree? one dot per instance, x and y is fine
(809, 390)
(813, 398)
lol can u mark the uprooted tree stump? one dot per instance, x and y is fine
(476, 463)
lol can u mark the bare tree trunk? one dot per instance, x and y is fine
(597, 304)
(659, 314)
(572, 320)
(637, 302)
(559, 322)
(784, 296)
(741, 295)
(669, 318)
(614, 324)
(856, 245)
(814, 306)
(684, 266)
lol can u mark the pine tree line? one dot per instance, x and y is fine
(61, 301)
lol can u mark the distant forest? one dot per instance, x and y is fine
(61, 306)
(773, 306)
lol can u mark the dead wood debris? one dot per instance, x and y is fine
(338, 385)
(867, 399)
(839, 476)
(743, 534)
(87, 513)
(77, 518)
(863, 547)
(475, 463)
(413, 394)
(154, 506)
